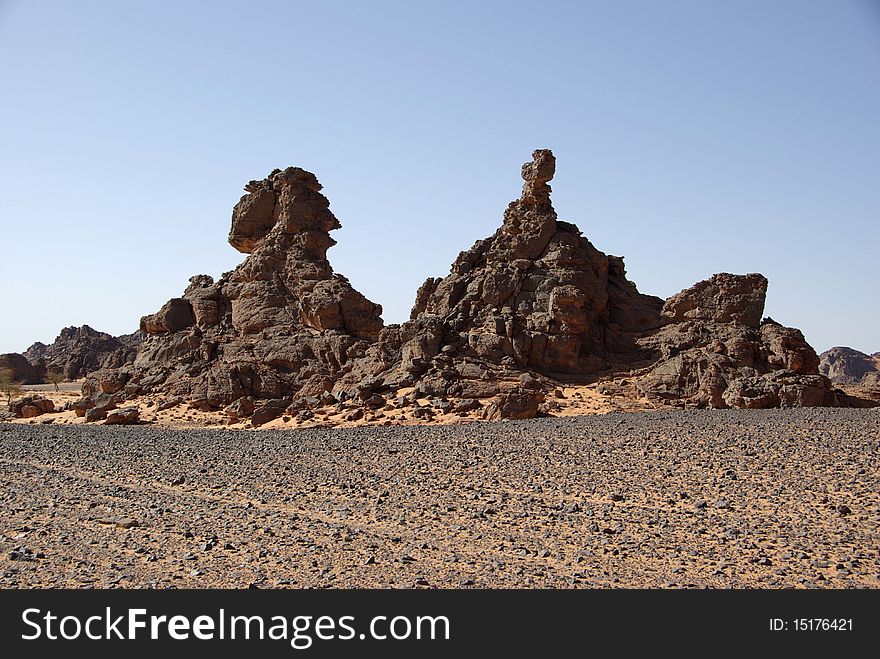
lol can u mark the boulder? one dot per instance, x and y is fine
(240, 409)
(31, 406)
(175, 315)
(94, 414)
(269, 411)
(124, 416)
(518, 403)
(723, 298)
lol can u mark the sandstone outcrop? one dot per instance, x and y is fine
(538, 301)
(281, 324)
(714, 351)
(535, 298)
(78, 351)
(856, 372)
(844, 365)
(31, 406)
(533, 305)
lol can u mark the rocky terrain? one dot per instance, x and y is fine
(697, 498)
(20, 369)
(847, 366)
(77, 351)
(857, 373)
(524, 313)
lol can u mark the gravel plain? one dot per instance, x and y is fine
(678, 499)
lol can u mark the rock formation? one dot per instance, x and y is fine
(713, 350)
(281, 324)
(857, 373)
(77, 351)
(21, 369)
(31, 406)
(844, 365)
(537, 302)
(533, 305)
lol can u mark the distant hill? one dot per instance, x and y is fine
(21, 369)
(844, 365)
(77, 351)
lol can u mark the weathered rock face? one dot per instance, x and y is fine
(537, 299)
(21, 369)
(534, 304)
(844, 365)
(733, 364)
(724, 298)
(77, 351)
(31, 406)
(536, 296)
(281, 323)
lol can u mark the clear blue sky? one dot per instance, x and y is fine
(692, 137)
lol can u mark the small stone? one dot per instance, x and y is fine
(844, 510)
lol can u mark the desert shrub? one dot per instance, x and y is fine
(56, 378)
(8, 386)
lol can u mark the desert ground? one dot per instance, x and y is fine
(153, 409)
(675, 499)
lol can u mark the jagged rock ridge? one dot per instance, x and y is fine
(538, 299)
(534, 304)
(77, 351)
(844, 365)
